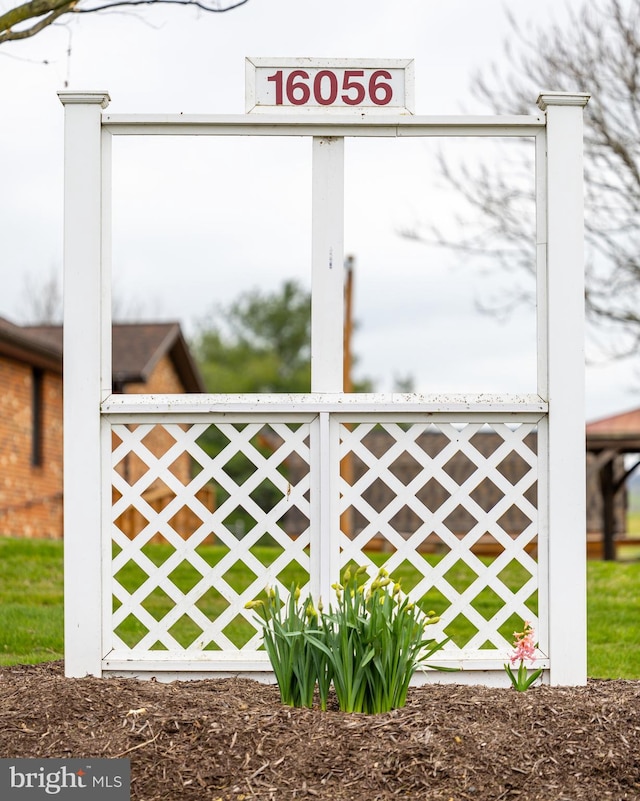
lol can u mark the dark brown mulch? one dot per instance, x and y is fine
(231, 739)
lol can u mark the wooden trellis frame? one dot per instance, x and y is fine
(93, 415)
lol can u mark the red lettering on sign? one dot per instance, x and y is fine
(298, 89)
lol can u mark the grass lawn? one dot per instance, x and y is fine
(31, 612)
(614, 619)
(31, 616)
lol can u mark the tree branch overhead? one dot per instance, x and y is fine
(28, 19)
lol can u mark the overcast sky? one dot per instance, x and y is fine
(197, 221)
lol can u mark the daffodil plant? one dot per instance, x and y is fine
(296, 664)
(369, 645)
(524, 649)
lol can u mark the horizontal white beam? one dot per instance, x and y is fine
(494, 676)
(172, 667)
(299, 404)
(306, 125)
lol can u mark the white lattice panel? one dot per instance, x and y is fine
(206, 515)
(189, 530)
(432, 499)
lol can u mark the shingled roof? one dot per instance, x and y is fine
(136, 349)
(620, 431)
(17, 343)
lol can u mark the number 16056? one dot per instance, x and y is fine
(325, 87)
(322, 84)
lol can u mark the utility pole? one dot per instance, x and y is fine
(347, 383)
(346, 465)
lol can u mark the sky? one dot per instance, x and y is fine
(198, 221)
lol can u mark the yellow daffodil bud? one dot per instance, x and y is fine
(362, 569)
(347, 576)
(296, 594)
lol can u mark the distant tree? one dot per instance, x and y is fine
(597, 51)
(42, 299)
(28, 19)
(261, 342)
(404, 383)
(42, 302)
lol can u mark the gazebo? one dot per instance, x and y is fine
(608, 440)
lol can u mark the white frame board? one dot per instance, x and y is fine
(89, 400)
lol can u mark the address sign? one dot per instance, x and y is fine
(329, 84)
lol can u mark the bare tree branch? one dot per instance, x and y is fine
(34, 16)
(42, 299)
(49, 10)
(598, 51)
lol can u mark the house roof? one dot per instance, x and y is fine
(17, 343)
(620, 431)
(136, 349)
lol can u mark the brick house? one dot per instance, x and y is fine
(147, 357)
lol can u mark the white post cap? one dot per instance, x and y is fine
(562, 99)
(68, 97)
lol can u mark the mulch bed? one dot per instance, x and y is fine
(231, 739)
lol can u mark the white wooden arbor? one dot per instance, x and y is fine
(112, 623)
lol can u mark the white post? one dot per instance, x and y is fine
(84, 332)
(565, 388)
(325, 544)
(327, 264)
(327, 333)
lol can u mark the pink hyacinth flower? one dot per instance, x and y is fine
(524, 645)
